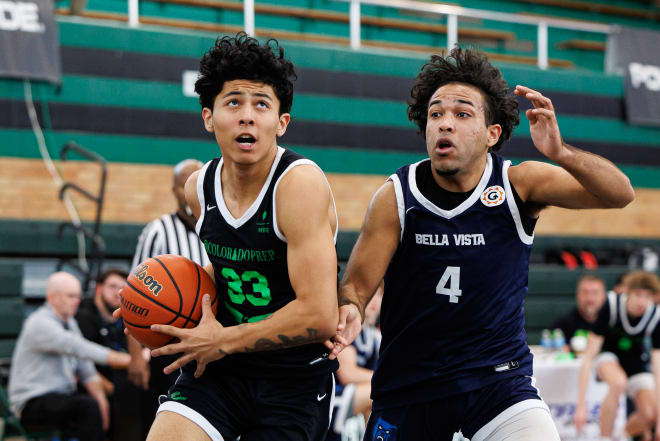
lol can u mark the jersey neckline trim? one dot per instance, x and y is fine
(448, 214)
(220, 201)
(200, 197)
(623, 314)
(513, 207)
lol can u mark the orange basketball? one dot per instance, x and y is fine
(167, 290)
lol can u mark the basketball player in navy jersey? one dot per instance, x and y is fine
(267, 219)
(451, 235)
(618, 351)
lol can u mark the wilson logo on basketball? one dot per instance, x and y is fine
(493, 196)
(141, 273)
(139, 310)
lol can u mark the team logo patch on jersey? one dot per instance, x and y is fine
(384, 431)
(493, 196)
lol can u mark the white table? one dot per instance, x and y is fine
(557, 382)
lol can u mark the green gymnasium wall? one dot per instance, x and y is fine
(523, 44)
(121, 95)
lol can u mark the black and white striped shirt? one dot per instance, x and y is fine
(169, 235)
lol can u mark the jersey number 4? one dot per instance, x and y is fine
(452, 278)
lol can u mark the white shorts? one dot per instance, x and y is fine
(636, 382)
(524, 421)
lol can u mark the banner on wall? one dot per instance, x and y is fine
(29, 40)
(634, 53)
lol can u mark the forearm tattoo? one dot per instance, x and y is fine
(265, 344)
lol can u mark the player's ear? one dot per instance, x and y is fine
(285, 118)
(493, 133)
(207, 116)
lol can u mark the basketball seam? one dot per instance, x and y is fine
(161, 305)
(174, 283)
(199, 285)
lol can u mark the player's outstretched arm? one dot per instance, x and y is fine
(366, 267)
(583, 180)
(594, 343)
(303, 206)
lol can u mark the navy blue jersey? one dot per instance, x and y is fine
(452, 315)
(367, 344)
(249, 257)
(625, 336)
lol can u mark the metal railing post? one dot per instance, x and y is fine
(354, 16)
(452, 31)
(133, 13)
(248, 17)
(542, 45)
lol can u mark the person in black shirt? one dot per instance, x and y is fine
(622, 327)
(589, 296)
(97, 324)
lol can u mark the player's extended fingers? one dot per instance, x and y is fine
(116, 314)
(207, 311)
(201, 367)
(531, 116)
(178, 363)
(170, 349)
(167, 329)
(329, 344)
(544, 113)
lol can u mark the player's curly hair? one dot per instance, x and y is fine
(242, 57)
(470, 67)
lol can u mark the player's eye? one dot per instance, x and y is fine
(262, 105)
(463, 114)
(435, 114)
(232, 103)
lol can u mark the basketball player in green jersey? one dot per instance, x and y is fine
(267, 218)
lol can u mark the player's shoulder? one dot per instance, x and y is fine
(303, 178)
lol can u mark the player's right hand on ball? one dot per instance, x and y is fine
(201, 343)
(348, 328)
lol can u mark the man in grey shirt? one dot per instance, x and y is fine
(50, 356)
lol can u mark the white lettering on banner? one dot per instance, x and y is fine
(20, 16)
(649, 75)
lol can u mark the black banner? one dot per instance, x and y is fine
(636, 54)
(29, 40)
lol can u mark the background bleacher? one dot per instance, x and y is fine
(121, 96)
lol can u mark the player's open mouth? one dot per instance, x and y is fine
(246, 141)
(443, 146)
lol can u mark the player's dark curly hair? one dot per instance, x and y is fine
(243, 58)
(470, 67)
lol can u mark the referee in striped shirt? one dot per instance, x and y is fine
(172, 233)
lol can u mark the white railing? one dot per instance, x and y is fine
(454, 12)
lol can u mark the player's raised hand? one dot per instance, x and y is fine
(543, 125)
(199, 343)
(348, 328)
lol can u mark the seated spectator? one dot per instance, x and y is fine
(97, 324)
(50, 356)
(623, 324)
(356, 367)
(589, 296)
